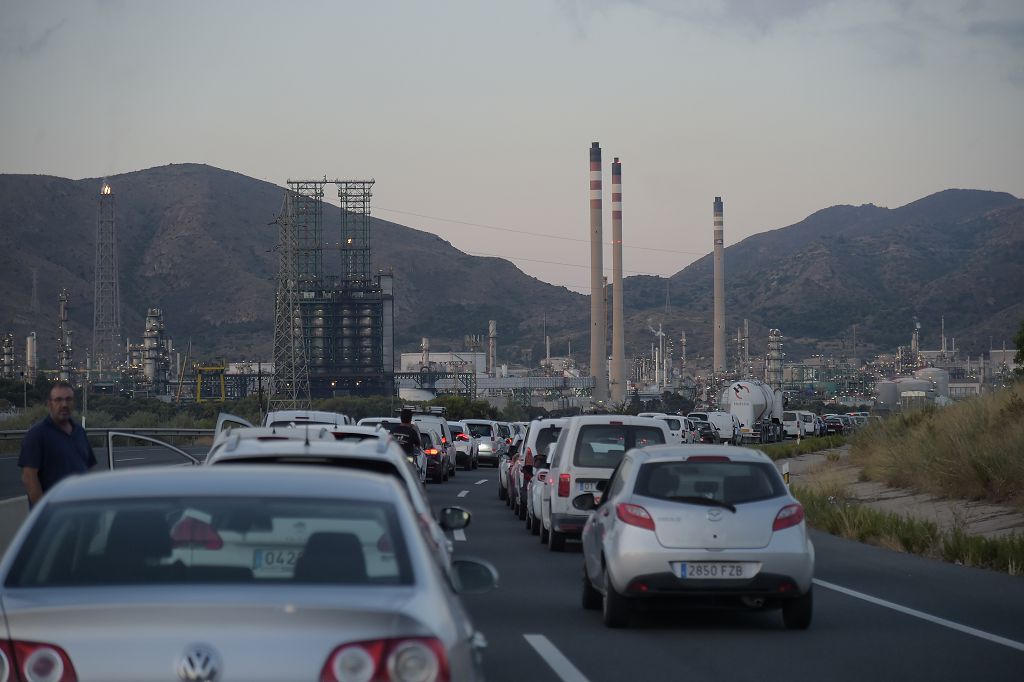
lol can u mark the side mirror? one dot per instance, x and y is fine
(454, 518)
(473, 576)
(585, 502)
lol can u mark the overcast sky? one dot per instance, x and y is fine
(474, 115)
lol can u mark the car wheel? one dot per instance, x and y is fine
(591, 598)
(501, 491)
(529, 520)
(797, 613)
(451, 472)
(556, 541)
(614, 607)
(543, 534)
(534, 525)
(439, 477)
(522, 509)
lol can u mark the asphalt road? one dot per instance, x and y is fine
(878, 615)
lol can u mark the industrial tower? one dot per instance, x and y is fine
(106, 320)
(290, 387)
(65, 366)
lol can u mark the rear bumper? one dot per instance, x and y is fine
(569, 524)
(655, 591)
(463, 458)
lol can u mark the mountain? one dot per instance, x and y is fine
(198, 242)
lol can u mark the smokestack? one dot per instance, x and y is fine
(492, 347)
(598, 316)
(719, 334)
(618, 384)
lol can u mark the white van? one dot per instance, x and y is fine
(587, 451)
(727, 424)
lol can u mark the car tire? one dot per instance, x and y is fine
(544, 533)
(439, 477)
(501, 491)
(522, 509)
(797, 613)
(590, 597)
(535, 525)
(614, 607)
(556, 541)
(529, 520)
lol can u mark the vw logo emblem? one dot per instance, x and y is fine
(714, 514)
(199, 664)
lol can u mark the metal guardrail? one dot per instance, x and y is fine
(102, 432)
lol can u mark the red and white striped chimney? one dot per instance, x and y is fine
(618, 369)
(598, 315)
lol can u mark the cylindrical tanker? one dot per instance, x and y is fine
(888, 395)
(938, 377)
(757, 405)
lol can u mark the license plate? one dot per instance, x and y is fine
(282, 560)
(717, 570)
(586, 486)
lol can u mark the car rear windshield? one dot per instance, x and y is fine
(245, 539)
(789, 416)
(730, 482)
(603, 445)
(456, 430)
(545, 437)
(480, 430)
(673, 424)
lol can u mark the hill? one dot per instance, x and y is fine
(198, 242)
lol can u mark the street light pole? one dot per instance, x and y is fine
(24, 388)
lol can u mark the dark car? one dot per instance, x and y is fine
(834, 425)
(708, 432)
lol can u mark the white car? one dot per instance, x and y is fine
(305, 418)
(589, 448)
(489, 445)
(540, 436)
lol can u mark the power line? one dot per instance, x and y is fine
(536, 234)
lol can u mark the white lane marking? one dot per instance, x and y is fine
(459, 534)
(481, 481)
(966, 629)
(463, 493)
(21, 498)
(550, 654)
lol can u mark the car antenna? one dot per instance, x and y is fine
(307, 435)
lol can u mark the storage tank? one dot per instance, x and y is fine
(939, 379)
(888, 395)
(751, 401)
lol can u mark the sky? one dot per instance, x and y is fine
(475, 117)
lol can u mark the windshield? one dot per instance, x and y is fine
(247, 540)
(480, 430)
(727, 482)
(603, 445)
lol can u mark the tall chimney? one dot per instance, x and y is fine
(492, 347)
(618, 384)
(598, 316)
(719, 335)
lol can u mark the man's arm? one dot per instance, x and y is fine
(30, 478)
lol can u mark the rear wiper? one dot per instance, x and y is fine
(696, 499)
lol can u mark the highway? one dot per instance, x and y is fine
(878, 614)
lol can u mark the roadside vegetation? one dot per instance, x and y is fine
(792, 448)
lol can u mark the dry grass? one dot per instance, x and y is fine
(973, 450)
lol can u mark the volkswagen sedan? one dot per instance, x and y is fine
(242, 573)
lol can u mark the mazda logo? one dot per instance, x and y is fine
(199, 664)
(714, 514)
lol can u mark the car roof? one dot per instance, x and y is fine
(627, 419)
(674, 453)
(318, 416)
(326, 447)
(239, 480)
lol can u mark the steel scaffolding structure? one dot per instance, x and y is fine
(107, 350)
(290, 386)
(355, 229)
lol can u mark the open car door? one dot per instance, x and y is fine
(132, 450)
(227, 421)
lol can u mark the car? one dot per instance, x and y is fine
(438, 463)
(417, 456)
(383, 456)
(466, 454)
(504, 466)
(706, 431)
(726, 424)
(589, 448)
(204, 573)
(834, 425)
(692, 525)
(489, 445)
(434, 417)
(305, 418)
(540, 434)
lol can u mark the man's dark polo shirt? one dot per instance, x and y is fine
(56, 454)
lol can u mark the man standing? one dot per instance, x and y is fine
(406, 433)
(54, 448)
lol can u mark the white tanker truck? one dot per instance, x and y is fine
(758, 407)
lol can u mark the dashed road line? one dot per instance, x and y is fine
(481, 481)
(463, 493)
(966, 629)
(459, 534)
(550, 654)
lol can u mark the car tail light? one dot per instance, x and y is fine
(634, 515)
(708, 458)
(508, 441)
(444, 440)
(432, 452)
(193, 532)
(419, 659)
(563, 485)
(34, 662)
(529, 455)
(788, 516)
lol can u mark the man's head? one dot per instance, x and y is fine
(406, 416)
(61, 402)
